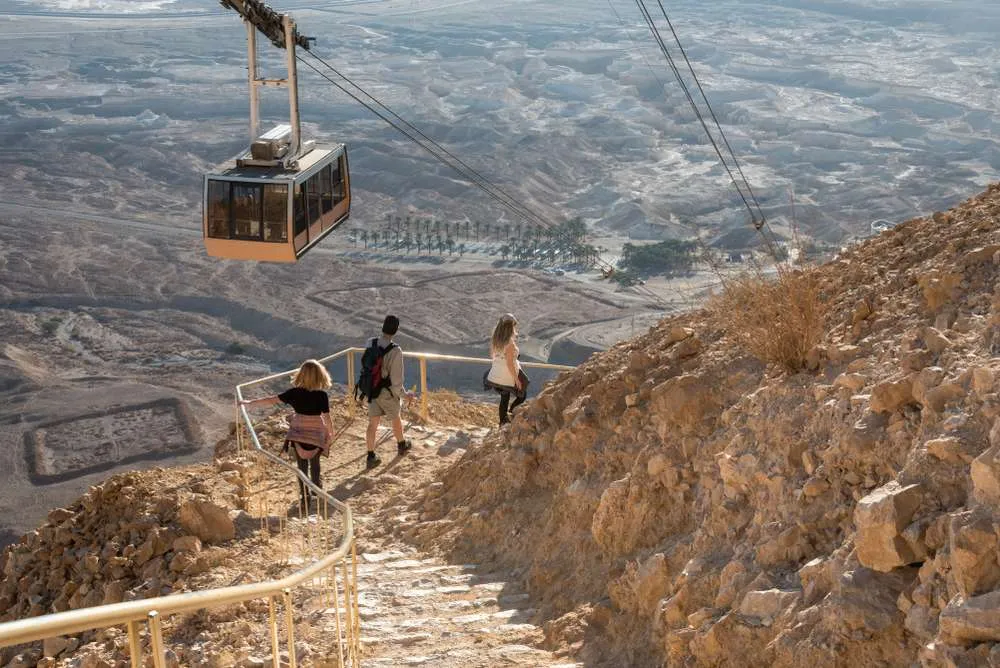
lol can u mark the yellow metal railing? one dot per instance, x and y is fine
(153, 611)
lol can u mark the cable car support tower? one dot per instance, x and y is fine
(268, 150)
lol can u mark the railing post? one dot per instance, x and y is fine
(350, 374)
(272, 619)
(423, 388)
(336, 618)
(348, 613)
(356, 636)
(290, 621)
(239, 430)
(156, 636)
(134, 649)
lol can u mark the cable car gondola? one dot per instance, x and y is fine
(273, 214)
(283, 195)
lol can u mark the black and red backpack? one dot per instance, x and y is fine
(371, 382)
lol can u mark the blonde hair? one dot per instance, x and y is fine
(503, 332)
(312, 376)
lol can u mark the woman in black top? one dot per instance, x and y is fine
(310, 429)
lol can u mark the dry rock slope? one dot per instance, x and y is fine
(678, 500)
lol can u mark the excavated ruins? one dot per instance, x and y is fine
(674, 501)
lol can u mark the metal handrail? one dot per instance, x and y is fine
(153, 609)
(423, 357)
(114, 614)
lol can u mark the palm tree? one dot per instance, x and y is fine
(440, 245)
(477, 230)
(374, 238)
(420, 242)
(466, 230)
(364, 237)
(451, 245)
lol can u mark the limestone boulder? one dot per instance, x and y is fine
(768, 604)
(881, 517)
(975, 619)
(982, 380)
(678, 333)
(949, 449)
(209, 522)
(937, 398)
(973, 549)
(980, 255)
(854, 382)
(681, 401)
(985, 472)
(935, 341)
(187, 544)
(890, 396)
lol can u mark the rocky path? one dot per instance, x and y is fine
(416, 609)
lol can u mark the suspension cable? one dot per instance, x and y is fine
(711, 111)
(444, 156)
(447, 158)
(687, 93)
(760, 225)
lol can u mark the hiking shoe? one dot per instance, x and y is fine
(404, 447)
(372, 460)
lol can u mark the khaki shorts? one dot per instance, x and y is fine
(384, 404)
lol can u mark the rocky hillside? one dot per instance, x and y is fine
(676, 499)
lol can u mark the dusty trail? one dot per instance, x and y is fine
(415, 608)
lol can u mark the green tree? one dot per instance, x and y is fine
(666, 257)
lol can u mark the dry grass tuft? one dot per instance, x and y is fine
(777, 319)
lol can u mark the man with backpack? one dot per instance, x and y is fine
(381, 382)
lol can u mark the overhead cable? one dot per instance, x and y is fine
(711, 111)
(444, 156)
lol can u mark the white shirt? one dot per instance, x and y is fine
(499, 373)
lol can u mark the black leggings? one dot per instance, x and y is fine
(311, 468)
(505, 409)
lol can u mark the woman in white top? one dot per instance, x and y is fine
(505, 375)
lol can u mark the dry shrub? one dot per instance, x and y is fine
(777, 319)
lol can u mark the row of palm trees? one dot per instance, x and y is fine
(399, 226)
(524, 242)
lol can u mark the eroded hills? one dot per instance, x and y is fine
(678, 500)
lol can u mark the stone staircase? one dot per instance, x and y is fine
(417, 611)
(414, 610)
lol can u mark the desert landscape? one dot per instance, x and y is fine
(121, 343)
